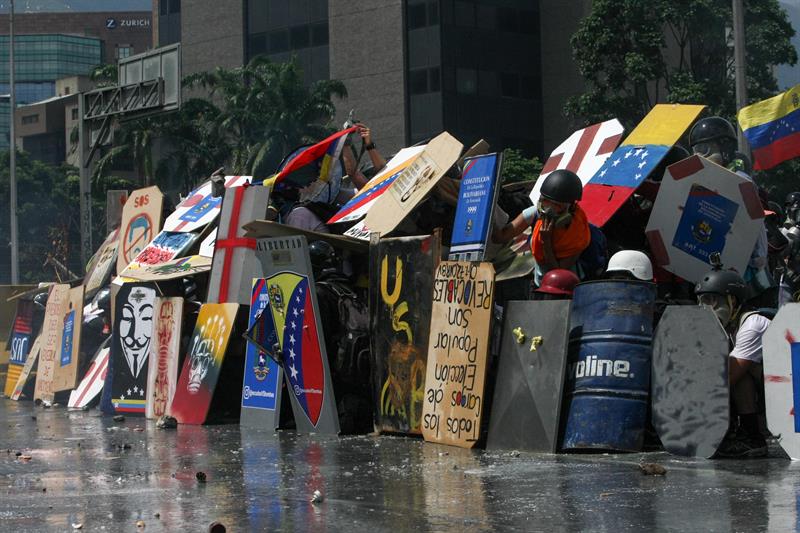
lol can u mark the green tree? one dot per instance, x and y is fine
(517, 167)
(634, 54)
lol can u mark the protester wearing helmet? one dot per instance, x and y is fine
(631, 265)
(725, 293)
(792, 208)
(560, 226)
(557, 284)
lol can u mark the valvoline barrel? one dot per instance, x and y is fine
(608, 371)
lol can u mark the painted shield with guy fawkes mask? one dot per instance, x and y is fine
(133, 329)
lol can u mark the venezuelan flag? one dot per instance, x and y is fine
(772, 127)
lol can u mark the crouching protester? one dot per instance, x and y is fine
(560, 227)
(725, 293)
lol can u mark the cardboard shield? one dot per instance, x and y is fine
(461, 316)
(52, 329)
(630, 164)
(401, 288)
(295, 314)
(102, 263)
(263, 376)
(21, 340)
(360, 204)
(125, 389)
(259, 229)
(28, 373)
(781, 351)
(164, 354)
(166, 246)
(90, 387)
(689, 381)
(413, 184)
(203, 364)
(207, 244)
(66, 375)
(175, 268)
(702, 209)
(201, 207)
(235, 264)
(477, 198)
(530, 378)
(584, 152)
(141, 221)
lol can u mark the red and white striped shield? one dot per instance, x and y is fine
(584, 152)
(92, 383)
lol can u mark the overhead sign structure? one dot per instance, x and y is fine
(702, 209)
(201, 207)
(263, 375)
(164, 355)
(203, 364)
(477, 198)
(141, 220)
(358, 206)
(401, 291)
(461, 316)
(689, 381)
(781, 354)
(584, 152)
(412, 185)
(293, 319)
(526, 410)
(52, 329)
(630, 164)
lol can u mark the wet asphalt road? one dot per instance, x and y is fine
(81, 472)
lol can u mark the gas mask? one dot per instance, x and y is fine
(723, 306)
(549, 212)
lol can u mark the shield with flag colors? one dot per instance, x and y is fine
(630, 164)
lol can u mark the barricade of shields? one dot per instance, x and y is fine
(427, 302)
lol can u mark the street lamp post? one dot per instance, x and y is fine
(13, 155)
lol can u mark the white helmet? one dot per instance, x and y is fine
(635, 263)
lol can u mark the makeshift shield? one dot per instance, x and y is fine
(584, 152)
(91, 385)
(102, 263)
(401, 288)
(67, 364)
(52, 329)
(295, 314)
(702, 209)
(164, 355)
(125, 389)
(530, 378)
(263, 375)
(477, 198)
(689, 379)
(141, 220)
(22, 336)
(461, 316)
(27, 376)
(630, 164)
(235, 265)
(202, 366)
(781, 351)
(201, 206)
(166, 246)
(175, 268)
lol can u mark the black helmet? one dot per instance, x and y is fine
(323, 256)
(40, 300)
(103, 299)
(562, 186)
(723, 282)
(792, 198)
(711, 129)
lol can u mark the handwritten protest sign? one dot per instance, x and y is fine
(457, 349)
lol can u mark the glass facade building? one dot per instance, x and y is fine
(40, 60)
(281, 29)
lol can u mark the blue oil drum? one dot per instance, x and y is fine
(608, 370)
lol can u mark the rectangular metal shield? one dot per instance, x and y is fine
(532, 365)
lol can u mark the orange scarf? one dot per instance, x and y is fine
(568, 241)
